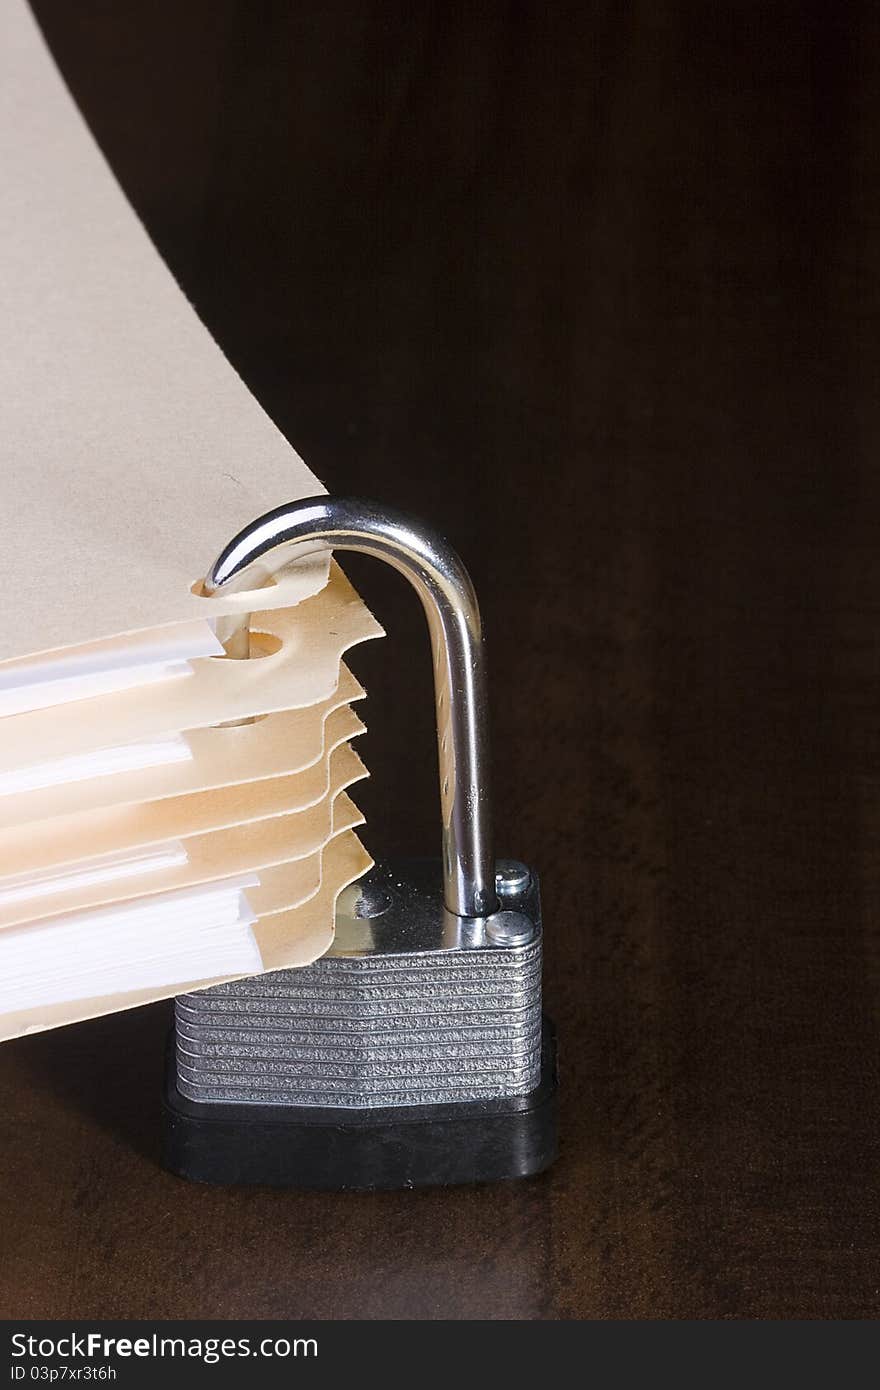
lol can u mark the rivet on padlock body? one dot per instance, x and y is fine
(414, 1051)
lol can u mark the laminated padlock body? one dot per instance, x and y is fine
(414, 1052)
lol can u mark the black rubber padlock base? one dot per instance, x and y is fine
(333, 1150)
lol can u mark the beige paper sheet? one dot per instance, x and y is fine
(297, 881)
(132, 452)
(69, 840)
(290, 939)
(285, 939)
(289, 885)
(279, 744)
(217, 855)
(303, 671)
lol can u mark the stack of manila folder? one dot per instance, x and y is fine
(170, 817)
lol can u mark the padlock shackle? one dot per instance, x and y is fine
(295, 530)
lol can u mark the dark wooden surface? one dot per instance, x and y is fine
(595, 288)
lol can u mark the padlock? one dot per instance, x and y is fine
(415, 1051)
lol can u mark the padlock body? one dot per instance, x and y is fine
(413, 1052)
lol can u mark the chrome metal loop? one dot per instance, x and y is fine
(444, 586)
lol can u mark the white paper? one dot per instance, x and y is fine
(148, 944)
(90, 873)
(103, 762)
(103, 668)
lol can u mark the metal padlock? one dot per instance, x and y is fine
(414, 1052)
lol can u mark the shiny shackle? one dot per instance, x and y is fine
(295, 530)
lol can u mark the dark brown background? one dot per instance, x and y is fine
(595, 288)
